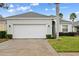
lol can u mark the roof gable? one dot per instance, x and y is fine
(62, 21)
(29, 14)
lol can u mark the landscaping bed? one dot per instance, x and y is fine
(4, 36)
(65, 44)
(3, 40)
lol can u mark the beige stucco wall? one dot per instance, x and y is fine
(2, 25)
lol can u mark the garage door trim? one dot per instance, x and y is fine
(29, 25)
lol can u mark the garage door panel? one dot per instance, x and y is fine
(29, 31)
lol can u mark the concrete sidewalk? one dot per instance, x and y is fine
(69, 54)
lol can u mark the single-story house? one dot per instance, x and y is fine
(35, 25)
(29, 25)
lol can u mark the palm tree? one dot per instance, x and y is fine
(1, 4)
(57, 20)
(61, 15)
(73, 16)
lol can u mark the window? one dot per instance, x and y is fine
(64, 28)
(78, 29)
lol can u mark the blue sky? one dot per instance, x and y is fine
(42, 8)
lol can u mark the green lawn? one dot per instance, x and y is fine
(65, 44)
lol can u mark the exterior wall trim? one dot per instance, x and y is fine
(27, 18)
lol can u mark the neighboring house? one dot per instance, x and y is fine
(34, 25)
(76, 25)
(65, 26)
(2, 24)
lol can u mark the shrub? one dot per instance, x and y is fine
(77, 33)
(49, 37)
(68, 34)
(2, 34)
(9, 36)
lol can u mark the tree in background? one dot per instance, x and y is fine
(61, 15)
(4, 5)
(57, 20)
(73, 16)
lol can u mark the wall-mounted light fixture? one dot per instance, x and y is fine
(48, 25)
(9, 25)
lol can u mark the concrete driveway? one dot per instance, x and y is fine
(26, 47)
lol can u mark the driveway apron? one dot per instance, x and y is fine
(27, 47)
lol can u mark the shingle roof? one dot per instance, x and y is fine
(1, 18)
(65, 21)
(29, 14)
(34, 14)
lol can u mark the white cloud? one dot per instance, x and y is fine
(77, 12)
(34, 4)
(46, 9)
(11, 10)
(53, 9)
(30, 10)
(23, 8)
(11, 6)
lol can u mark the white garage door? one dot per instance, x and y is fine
(29, 31)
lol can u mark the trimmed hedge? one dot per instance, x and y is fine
(49, 37)
(77, 33)
(68, 34)
(2, 34)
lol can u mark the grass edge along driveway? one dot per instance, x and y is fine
(65, 44)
